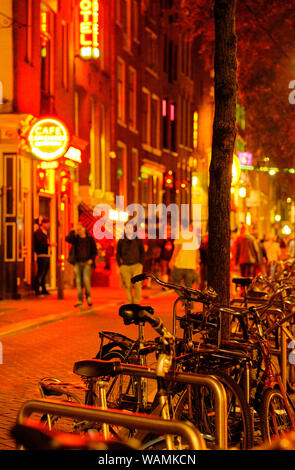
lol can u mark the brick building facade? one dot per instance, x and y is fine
(124, 85)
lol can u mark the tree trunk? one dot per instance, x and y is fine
(224, 133)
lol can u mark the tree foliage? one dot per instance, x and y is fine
(266, 65)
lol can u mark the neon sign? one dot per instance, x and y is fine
(74, 154)
(245, 158)
(48, 139)
(89, 29)
(44, 28)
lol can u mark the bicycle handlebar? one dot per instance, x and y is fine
(207, 296)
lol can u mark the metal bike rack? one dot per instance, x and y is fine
(115, 417)
(192, 379)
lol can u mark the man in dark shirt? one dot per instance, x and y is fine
(82, 255)
(41, 247)
(130, 258)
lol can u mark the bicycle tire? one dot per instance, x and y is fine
(240, 431)
(273, 414)
(120, 386)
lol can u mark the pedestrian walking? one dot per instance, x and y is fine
(246, 252)
(41, 248)
(130, 256)
(82, 256)
(184, 262)
(272, 248)
(260, 267)
(166, 255)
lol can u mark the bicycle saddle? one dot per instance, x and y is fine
(131, 313)
(96, 368)
(242, 281)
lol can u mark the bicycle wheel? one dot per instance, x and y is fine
(274, 417)
(202, 413)
(121, 393)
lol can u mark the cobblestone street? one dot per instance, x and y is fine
(52, 348)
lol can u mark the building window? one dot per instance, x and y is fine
(125, 21)
(165, 54)
(170, 61)
(10, 188)
(65, 54)
(135, 19)
(152, 48)
(145, 117)
(135, 175)
(47, 59)
(183, 120)
(189, 124)
(94, 155)
(121, 175)
(173, 126)
(155, 122)
(175, 65)
(165, 122)
(195, 130)
(76, 111)
(132, 97)
(118, 12)
(10, 241)
(121, 90)
(103, 145)
(29, 31)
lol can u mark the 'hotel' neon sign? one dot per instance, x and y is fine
(89, 29)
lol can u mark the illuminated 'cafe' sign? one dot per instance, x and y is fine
(89, 29)
(49, 140)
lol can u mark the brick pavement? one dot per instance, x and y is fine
(51, 348)
(17, 315)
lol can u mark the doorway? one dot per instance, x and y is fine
(47, 209)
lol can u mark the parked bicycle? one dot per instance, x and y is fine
(185, 400)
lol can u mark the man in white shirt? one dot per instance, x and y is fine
(184, 262)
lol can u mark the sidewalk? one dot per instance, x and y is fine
(31, 312)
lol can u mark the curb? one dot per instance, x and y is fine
(37, 322)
